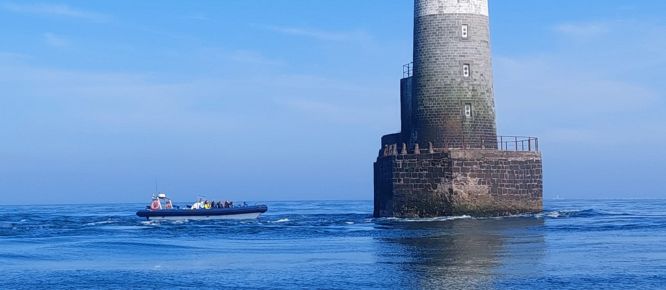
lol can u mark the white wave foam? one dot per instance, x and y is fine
(284, 220)
(100, 223)
(560, 213)
(435, 219)
(526, 215)
(122, 228)
(150, 223)
(350, 223)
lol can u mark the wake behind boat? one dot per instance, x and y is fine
(162, 208)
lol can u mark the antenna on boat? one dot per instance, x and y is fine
(156, 190)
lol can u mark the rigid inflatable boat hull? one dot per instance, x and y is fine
(241, 213)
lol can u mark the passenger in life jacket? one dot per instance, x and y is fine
(169, 204)
(198, 205)
(156, 204)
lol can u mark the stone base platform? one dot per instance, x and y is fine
(477, 182)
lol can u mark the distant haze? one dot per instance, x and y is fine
(287, 99)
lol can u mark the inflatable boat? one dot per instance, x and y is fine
(234, 213)
(162, 208)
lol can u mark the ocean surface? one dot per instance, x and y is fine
(574, 244)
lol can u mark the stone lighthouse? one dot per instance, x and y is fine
(448, 158)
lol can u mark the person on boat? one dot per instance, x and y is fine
(207, 205)
(156, 204)
(197, 205)
(169, 204)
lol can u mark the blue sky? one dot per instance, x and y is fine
(287, 99)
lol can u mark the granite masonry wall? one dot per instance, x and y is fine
(474, 182)
(440, 88)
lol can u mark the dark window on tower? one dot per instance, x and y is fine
(466, 70)
(468, 111)
(465, 31)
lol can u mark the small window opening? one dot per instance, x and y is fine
(466, 70)
(468, 110)
(465, 31)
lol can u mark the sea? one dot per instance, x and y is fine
(573, 244)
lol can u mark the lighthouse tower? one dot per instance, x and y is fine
(448, 159)
(453, 104)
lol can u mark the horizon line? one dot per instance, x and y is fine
(319, 200)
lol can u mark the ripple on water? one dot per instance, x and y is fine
(334, 245)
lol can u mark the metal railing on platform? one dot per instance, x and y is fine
(407, 70)
(518, 143)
